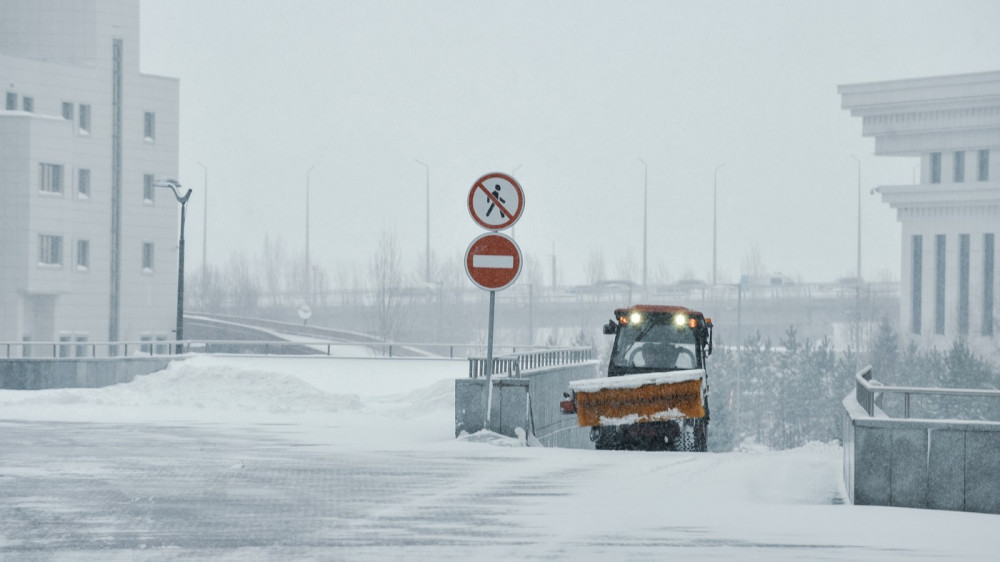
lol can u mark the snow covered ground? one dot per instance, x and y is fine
(239, 458)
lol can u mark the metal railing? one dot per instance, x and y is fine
(515, 364)
(870, 393)
(93, 349)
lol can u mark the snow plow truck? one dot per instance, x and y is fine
(655, 397)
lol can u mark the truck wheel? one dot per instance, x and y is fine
(604, 439)
(686, 440)
(701, 436)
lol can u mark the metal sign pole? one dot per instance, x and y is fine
(489, 361)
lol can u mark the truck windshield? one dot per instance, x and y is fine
(655, 344)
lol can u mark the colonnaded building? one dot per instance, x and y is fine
(951, 218)
(87, 245)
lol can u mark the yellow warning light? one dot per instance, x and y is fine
(692, 323)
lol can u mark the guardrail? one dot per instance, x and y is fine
(513, 365)
(73, 349)
(870, 393)
(940, 458)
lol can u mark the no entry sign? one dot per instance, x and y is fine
(493, 261)
(496, 201)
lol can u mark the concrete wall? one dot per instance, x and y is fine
(37, 374)
(932, 464)
(530, 402)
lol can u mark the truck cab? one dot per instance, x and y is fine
(655, 338)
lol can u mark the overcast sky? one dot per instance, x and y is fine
(570, 95)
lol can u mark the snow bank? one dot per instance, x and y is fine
(206, 388)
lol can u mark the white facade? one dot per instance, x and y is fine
(951, 219)
(87, 248)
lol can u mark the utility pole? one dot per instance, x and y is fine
(645, 200)
(204, 228)
(427, 242)
(715, 229)
(308, 263)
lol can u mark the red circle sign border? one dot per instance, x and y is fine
(517, 258)
(480, 184)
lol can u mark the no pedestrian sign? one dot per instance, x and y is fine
(493, 261)
(496, 201)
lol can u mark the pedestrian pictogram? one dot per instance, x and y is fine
(496, 201)
(493, 261)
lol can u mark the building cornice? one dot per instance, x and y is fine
(985, 196)
(921, 115)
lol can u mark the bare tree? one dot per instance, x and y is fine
(385, 282)
(752, 266)
(628, 268)
(595, 267)
(243, 287)
(207, 293)
(661, 274)
(531, 272)
(273, 264)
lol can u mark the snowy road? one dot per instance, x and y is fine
(305, 459)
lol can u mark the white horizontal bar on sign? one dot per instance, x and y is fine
(493, 262)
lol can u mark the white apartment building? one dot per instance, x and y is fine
(951, 218)
(88, 247)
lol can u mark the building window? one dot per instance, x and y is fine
(146, 347)
(149, 126)
(82, 255)
(959, 167)
(83, 183)
(50, 250)
(148, 189)
(84, 118)
(51, 178)
(988, 280)
(939, 278)
(916, 283)
(11, 101)
(28, 104)
(984, 165)
(67, 110)
(935, 167)
(963, 284)
(147, 257)
(161, 345)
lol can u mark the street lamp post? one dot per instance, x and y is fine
(715, 230)
(175, 186)
(204, 226)
(308, 263)
(645, 199)
(427, 196)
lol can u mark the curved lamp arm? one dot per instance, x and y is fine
(174, 185)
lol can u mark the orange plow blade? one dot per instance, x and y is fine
(621, 400)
